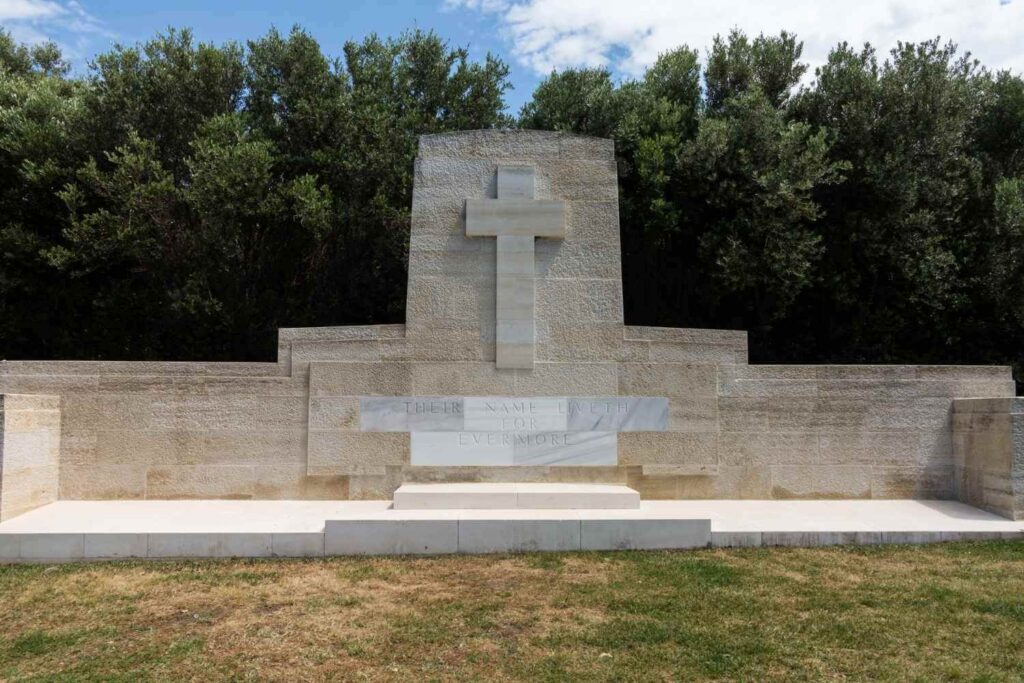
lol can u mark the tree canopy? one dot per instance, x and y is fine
(183, 200)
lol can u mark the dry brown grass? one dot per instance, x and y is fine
(952, 612)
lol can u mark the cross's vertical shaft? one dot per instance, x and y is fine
(514, 313)
(515, 331)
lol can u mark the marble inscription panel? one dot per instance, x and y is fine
(504, 431)
(493, 449)
(518, 414)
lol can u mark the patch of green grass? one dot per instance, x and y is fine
(945, 612)
(370, 570)
(1012, 609)
(218, 575)
(547, 561)
(39, 642)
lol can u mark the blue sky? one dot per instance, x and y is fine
(218, 21)
(535, 36)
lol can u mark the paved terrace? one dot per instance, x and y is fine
(94, 530)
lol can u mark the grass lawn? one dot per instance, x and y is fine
(943, 612)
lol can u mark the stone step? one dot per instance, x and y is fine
(540, 496)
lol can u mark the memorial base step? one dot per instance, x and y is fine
(540, 496)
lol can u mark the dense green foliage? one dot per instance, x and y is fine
(876, 215)
(184, 200)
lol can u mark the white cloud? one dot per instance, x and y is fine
(65, 22)
(628, 35)
(19, 10)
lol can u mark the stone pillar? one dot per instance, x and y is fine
(988, 451)
(29, 452)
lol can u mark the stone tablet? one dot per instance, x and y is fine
(531, 449)
(513, 431)
(513, 414)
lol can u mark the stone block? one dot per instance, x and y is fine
(584, 180)
(667, 379)
(584, 147)
(808, 539)
(735, 539)
(896, 448)
(360, 379)
(451, 342)
(433, 267)
(115, 546)
(709, 354)
(865, 372)
(233, 482)
(878, 413)
(297, 544)
(686, 335)
(460, 379)
(339, 453)
(644, 534)
(518, 535)
(292, 482)
(27, 449)
(191, 413)
(303, 353)
(334, 413)
(51, 547)
(743, 414)
(821, 482)
(258, 447)
(174, 545)
(754, 388)
(654, 487)
(561, 342)
(743, 482)
(970, 373)
(101, 481)
(578, 301)
(340, 333)
(568, 379)
(445, 299)
(769, 373)
(912, 482)
(371, 486)
(667, 448)
(910, 537)
(742, 449)
(391, 537)
(88, 411)
(10, 547)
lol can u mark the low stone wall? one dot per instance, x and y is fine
(842, 431)
(29, 452)
(742, 431)
(988, 449)
(291, 429)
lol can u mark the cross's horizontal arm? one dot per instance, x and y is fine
(523, 217)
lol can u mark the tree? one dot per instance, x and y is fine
(717, 206)
(184, 201)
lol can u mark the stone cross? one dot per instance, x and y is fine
(515, 218)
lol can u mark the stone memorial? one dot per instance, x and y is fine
(514, 365)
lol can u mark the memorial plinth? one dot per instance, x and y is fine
(535, 496)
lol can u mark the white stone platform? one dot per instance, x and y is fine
(535, 496)
(95, 530)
